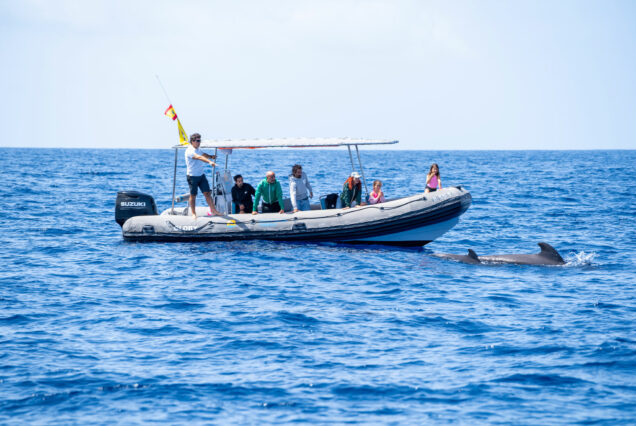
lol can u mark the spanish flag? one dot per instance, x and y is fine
(170, 112)
(183, 136)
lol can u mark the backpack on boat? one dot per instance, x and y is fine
(329, 201)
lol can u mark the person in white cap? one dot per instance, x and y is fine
(351, 195)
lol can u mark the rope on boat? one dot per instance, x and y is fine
(339, 214)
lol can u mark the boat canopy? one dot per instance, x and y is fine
(290, 143)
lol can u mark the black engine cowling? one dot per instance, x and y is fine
(133, 203)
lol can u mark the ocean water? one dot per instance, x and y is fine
(94, 329)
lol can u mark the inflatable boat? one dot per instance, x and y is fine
(410, 221)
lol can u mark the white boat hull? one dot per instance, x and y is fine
(409, 221)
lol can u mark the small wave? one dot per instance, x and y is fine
(61, 231)
(384, 292)
(504, 299)
(540, 379)
(530, 351)
(15, 319)
(366, 391)
(603, 305)
(296, 318)
(101, 173)
(39, 399)
(579, 259)
(181, 306)
(610, 365)
(406, 393)
(251, 344)
(166, 330)
(461, 326)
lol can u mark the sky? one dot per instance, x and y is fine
(435, 75)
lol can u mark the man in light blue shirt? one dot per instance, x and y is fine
(195, 162)
(300, 190)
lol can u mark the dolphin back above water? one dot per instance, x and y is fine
(547, 256)
(471, 257)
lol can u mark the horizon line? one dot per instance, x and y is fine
(326, 149)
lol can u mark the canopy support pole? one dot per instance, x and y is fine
(174, 178)
(366, 188)
(226, 157)
(214, 177)
(353, 168)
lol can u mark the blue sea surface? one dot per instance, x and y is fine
(94, 329)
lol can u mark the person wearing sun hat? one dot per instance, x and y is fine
(351, 195)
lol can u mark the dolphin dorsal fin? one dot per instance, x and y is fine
(473, 255)
(548, 251)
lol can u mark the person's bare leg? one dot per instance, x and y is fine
(213, 209)
(193, 204)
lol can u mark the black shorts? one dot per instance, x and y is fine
(271, 208)
(431, 189)
(198, 182)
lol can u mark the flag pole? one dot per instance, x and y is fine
(176, 150)
(164, 89)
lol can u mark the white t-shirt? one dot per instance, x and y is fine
(195, 167)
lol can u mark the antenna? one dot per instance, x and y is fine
(164, 90)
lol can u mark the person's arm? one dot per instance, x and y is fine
(292, 193)
(308, 185)
(204, 159)
(257, 198)
(428, 178)
(279, 194)
(345, 196)
(211, 157)
(359, 196)
(236, 199)
(439, 183)
(250, 189)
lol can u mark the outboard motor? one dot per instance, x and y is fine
(133, 203)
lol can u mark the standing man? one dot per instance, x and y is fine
(272, 194)
(195, 159)
(242, 195)
(300, 189)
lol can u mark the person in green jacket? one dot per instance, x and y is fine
(351, 195)
(272, 194)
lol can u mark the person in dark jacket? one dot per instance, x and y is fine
(351, 195)
(242, 195)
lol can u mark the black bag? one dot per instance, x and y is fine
(331, 200)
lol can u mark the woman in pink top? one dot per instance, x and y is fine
(433, 181)
(376, 196)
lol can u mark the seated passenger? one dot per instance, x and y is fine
(433, 180)
(242, 195)
(300, 189)
(351, 195)
(376, 196)
(272, 194)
